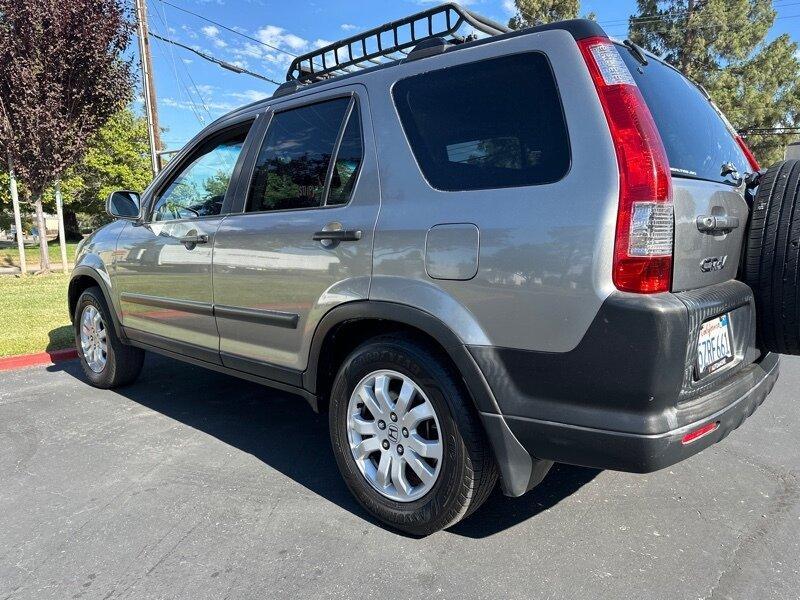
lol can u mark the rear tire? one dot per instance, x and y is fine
(773, 258)
(466, 473)
(106, 361)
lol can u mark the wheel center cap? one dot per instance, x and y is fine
(393, 433)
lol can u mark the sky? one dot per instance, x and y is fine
(192, 92)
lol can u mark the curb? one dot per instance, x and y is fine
(9, 363)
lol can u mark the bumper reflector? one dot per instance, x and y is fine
(699, 432)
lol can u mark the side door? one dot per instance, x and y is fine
(303, 241)
(162, 267)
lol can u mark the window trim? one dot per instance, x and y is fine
(310, 101)
(568, 137)
(335, 155)
(212, 139)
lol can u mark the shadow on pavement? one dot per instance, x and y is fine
(60, 338)
(282, 431)
(500, 512)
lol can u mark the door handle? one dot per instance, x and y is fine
(340, 235)
(191, 240)
(715, 224)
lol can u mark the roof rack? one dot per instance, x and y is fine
(389, 42)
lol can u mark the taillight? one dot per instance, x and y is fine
(751, 159)
(645, 223)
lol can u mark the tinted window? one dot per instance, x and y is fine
(696, 138)
(490, 124)
(348, 161)
(292, 166)
(199, 188)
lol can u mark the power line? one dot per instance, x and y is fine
(650, 19)
(181, 83)
(670, 16)
(771, 131)
(197, 91)
(227, 28)
(668, 25)
(222, 63)
(179, 79)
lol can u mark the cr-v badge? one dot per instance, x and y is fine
(713, 263)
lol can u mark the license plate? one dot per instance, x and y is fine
(714, 346)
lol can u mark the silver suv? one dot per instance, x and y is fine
(480, 251)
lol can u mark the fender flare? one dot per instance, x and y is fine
(405, 315)
(519, 470)
(86, 271)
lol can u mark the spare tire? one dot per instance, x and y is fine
(772, 259)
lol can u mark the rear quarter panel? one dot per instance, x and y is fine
(544, 251)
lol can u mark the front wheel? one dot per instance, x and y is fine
(406, 438)
(106, 361)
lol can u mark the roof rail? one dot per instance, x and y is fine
(389, 42)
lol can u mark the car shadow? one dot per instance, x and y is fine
(281, 430)
(500, 512)
(60, 338)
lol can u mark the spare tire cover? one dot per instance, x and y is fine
(772, 258)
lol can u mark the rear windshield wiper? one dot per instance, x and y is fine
(637, 52)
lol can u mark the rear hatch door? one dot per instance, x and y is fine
(710, 209)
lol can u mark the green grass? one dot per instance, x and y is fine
(33, 314)
(9, 256)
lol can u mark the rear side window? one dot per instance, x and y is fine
(296, 166)
(490, 124)
(696, 138)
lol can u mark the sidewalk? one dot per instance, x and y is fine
(33, 267)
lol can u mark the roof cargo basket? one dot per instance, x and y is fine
(390, 42)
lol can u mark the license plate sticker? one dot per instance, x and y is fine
(714, 346)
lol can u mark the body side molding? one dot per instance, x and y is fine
(275, 318)
(189, 306)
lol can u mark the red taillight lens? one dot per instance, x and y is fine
(751, 159)
(699, 432)
(643, 244)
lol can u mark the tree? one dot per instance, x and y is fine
(720, 45)
(62, 77)
(537, 12)
(117, 158)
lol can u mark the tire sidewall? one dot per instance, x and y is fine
(105, 377)
(423, 515)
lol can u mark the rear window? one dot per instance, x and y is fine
(489, 124)
(696, 138)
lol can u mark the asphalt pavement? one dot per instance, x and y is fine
(191, 484)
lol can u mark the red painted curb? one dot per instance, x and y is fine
(42, 358)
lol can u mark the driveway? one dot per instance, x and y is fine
(191, 484)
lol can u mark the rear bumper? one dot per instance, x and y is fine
(643, 453)
(626, 395)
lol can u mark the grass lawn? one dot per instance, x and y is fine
(33, 314)
(9, 255)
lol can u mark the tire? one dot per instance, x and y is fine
(466, 473)
(119, 364)
(772, 258)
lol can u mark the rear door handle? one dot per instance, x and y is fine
(191, 240)
(715, 224)
(340, 235)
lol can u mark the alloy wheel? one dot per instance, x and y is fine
(394, 435)
(94, 344)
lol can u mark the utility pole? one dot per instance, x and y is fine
(148, 87)
(17, 218)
